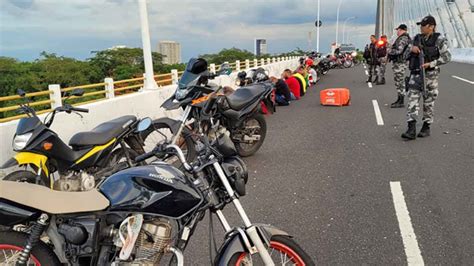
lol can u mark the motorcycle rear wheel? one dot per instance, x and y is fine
(11, 243)
(283, 250)
(248, 149)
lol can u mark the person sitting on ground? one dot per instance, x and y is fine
(283, 94)
(292, 83)
(309, 69)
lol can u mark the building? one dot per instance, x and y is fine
(260, 47)
(171, 52)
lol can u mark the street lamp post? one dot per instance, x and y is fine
(344, 28)
(317, 28)
(149, 83)
(337, 21)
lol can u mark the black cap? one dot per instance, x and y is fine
(402, 27)
(427, 20)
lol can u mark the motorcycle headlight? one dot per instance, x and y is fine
(20, 141)
(354, 54)
(180, 94)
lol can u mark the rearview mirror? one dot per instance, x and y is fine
(144, 124)
(21, 93)
(77, 92)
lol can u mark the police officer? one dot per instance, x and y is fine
(370, 56)
(381, 60)
(398, 55)
(435, 53)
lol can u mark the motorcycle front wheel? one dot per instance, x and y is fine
(250, 136)
(283, 250)
(159, 133)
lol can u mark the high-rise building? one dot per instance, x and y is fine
(171, 52)
(260, 47)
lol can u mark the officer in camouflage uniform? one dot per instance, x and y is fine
(381, 52)
(398, 55)
(435, 53)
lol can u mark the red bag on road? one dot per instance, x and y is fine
(335, 96)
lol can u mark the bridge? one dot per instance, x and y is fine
(339, 179)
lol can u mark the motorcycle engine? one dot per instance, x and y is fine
(154, 237)
(75, 181)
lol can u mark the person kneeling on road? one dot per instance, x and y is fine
(283, 94)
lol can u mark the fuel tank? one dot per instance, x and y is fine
(158, 188)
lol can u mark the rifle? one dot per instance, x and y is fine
(422, 72)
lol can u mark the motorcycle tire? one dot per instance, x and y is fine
(13, 242)
(24, 176)
(286, 249)
(151, 140)
(348, 64)
(241, 147)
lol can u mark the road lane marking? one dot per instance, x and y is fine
(367, 72)
(412, 250)
(378, 114)
(465, 80)
(369, 84)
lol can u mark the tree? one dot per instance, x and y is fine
(229, 55)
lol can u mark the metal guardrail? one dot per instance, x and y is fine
(107, 89)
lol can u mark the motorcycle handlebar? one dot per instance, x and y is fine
(82, 110)
(165, 149)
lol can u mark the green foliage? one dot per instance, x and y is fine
(229, 55)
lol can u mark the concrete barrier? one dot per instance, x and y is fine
(463, 55)
(142, 104)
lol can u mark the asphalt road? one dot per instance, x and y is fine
(324, 173)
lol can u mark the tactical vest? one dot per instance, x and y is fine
(429, 47)
(403, 56)
(430, 51)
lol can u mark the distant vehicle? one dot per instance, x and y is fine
(347, 48)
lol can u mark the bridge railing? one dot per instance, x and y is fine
(45, 101)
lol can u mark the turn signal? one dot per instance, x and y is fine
(47, 146)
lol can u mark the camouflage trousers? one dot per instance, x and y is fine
(415, 93)
(399, 70)
(380, 71)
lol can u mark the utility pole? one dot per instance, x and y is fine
(337, 21)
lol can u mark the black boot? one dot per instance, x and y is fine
(378, 82)
(425, 130)
(383, 80)
(399, 102)
(411, 131)
(369, 79)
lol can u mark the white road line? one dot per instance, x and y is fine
(367, 72)
(378, 114)
(365, 67)
(465, 80)
(369, 84)
(412, 250)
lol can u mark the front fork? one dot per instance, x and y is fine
(251, 230)
(182, 121)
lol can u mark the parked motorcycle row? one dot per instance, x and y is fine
(133, 190)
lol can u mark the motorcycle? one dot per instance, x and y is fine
(239, 113)
(141, 214)
(89, 156)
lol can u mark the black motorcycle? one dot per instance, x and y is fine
(141, 214)
(91, 155)
(238, 112)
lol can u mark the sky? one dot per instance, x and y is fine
(74, 28)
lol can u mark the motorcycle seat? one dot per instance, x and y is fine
(52, 201)
(241, 97)
(102, 133)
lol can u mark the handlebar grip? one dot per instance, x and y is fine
(83, 110)
(144, 156)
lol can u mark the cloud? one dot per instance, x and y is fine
(75, 27)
